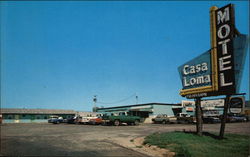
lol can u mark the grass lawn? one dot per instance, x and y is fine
(191, 145)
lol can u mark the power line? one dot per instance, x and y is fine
(115, 102)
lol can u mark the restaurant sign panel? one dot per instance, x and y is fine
(236, 104)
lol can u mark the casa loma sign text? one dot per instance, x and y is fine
(195, 71)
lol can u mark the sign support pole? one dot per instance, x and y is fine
(224, 118)
(198, 116)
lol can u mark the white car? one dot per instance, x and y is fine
(85, 120)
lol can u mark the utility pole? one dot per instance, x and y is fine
(136, 97)
(95, 100)
(198, 116)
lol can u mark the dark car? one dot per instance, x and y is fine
(52, 118)
(211, 120)
(236, 118)
(71, 120)
(55, 120)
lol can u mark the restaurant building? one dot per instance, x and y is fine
(145, 111)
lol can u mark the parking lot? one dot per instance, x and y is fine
(43, 139)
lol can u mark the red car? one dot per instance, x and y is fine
(0, 119)
(95, 121)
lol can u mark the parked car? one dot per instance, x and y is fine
(55, 119)
(163, 118)
(84, 120)
(95, 121)
(122, 117)
(236, 118)
(211, 120)
(210, 113)
(185, 118)
(78, 119)
(51, 118)
(1, 118)
(211, 116)
(71, 120)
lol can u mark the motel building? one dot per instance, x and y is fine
(17, 115)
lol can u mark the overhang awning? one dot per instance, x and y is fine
(147, 108)
(142, 107)
(175, 107)
(112, 110)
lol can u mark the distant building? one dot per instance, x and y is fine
(145, 111)
(16, 115)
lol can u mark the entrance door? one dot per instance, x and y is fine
(177, 110)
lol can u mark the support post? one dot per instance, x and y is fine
(224, 118)
(198, 116)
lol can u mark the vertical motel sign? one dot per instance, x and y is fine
(217, 76)
(225, 28)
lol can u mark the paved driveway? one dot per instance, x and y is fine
(87, 140)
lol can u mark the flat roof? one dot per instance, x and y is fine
(35, 111)
(138, 105)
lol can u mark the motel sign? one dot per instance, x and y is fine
(225, 28)
(217, 71)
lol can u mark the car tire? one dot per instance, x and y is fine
(136, 122)
(116, 122)
(164, 122)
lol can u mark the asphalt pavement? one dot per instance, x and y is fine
(45, 139)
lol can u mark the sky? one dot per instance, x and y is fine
(58, 55)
